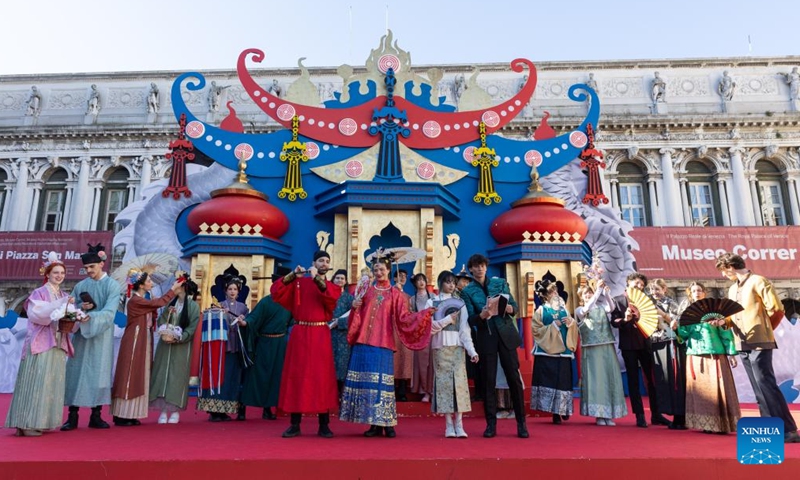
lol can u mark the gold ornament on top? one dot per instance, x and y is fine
(293, 152)
(485, 158)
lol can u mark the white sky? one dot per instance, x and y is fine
(57, 36)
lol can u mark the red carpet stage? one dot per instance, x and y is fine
(196, 449)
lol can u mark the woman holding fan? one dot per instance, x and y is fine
(711, 401)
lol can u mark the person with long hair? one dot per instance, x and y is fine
(368, 396)
(602, 395)
(422, 375)
(450, 339)
(338, 325)
(169, 383)
(711, 401)
(130, 393)
(556, 335)
(37, 404)
(221, 397)
(669, 358)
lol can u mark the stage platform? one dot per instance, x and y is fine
(197, 449)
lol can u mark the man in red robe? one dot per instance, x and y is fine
(308, 382)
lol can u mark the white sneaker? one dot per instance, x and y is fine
(459, 427)
(174, 418)
(449, 431)
(610, 422)
(163, 417)
(601, 421)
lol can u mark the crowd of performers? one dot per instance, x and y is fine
(358, 349)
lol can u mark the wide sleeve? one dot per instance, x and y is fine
(772, 303)
(728, 341)
(355, 320)
(413, 329)
(285, 294)
(572, 336)
(464, 333)
(194, 319)
(102, 317)
(39, 308)
(159, 302)
(547, 337)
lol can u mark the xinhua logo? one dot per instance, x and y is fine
(759, 441)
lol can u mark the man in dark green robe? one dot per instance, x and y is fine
(266, 341)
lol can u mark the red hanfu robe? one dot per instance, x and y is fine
(385, 310)
(308, 382)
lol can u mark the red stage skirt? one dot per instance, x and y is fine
(212, 364)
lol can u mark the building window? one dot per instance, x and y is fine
(634, 203)
(772, 203)
(702, 204)
(114, 199)
(631, 204)
(772, 194)
(51, 207)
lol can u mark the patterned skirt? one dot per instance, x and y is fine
(38, 401)
(551, 388)
(226, 399)
(711, 400)
(450, 387)
(368, 395)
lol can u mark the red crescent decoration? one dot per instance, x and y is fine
(323, 117)
(460, 127)
(458, 133)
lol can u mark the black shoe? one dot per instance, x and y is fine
(402, 398)
(565, 417)
(677, 426)
(224, 417)
(374, 431)
(95, 421)
(72, 420)
(490, 431)
(557, 419)
(268, 415)
(522, 430)
(640, 421)
(214, 417)
(389, 432)
(325, 431)
(292, 431)
(791, 437)
(240, 414)
(660, 420)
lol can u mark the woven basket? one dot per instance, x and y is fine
(65, 325)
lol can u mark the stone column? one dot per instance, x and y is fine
(723, 200)
(145, 176)
(687, 212)
(754, 198)
(614, 196)
(98, 190)
(655, 214)
(20, 200)
(670, 194)
(4, 220)
(81, 209)
(33, 215)
(791, 184)
(743, 214)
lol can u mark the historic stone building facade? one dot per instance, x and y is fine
(696, 142)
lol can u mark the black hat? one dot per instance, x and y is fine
(96, 254)
(321, 253)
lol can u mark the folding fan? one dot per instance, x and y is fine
(709, 309)
(647, 311)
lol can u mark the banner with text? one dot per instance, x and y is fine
(22, 253)
(690, 253)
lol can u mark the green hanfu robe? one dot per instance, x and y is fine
(169, 383)
(266, 341)
(89, 372)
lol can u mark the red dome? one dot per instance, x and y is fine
(543, 217)
(238, 210)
